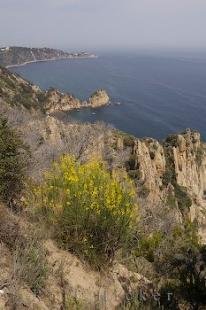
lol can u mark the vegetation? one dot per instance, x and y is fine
(12, 164)
(199, 155)
(72, 303)
(147, 246)
(18, 55)
(92, 211)
(29, 256)
(187, 278)
(178, 267)
(9, 228)
(183, 199)
(139, 300)
(16, 92)
(30, 263)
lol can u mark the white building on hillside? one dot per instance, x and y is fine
(4, 49)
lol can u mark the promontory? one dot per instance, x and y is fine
(15, 56)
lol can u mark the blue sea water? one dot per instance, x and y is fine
(151, 95)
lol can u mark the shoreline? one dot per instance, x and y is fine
(51, 59)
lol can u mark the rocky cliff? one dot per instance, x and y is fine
(173, 172)
(180, 159)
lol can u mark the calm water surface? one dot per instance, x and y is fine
(151, 95)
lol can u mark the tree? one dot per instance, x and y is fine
(13, 154)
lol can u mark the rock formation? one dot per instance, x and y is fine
(56, 101)
(176, 167)
(18, 91)
(98, 99)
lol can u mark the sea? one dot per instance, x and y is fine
(153, 94)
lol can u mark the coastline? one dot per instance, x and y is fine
(51, 59)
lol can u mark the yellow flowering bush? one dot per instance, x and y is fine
(92, 210)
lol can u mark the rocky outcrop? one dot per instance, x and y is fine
(18, 92)
(70, 283)
(56, 101)
(98, 99)
(173, 172)
(179, 159)
(104, 290)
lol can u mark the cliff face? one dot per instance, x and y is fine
(173, 172)
(180, 160)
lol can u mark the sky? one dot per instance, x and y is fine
(109, 24)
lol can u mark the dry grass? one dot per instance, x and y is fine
(30, 264)
(9, 228)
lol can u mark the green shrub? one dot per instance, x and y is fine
(91, 210)
(168, 177)
(128, 140)
(12, 163)
(148, 245)
(144, 192)
(72, 303)
(199, 155)
(137, 299)
(171, 141)
(183, 199)
(186, 278)
(171, 200)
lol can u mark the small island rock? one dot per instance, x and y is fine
(98, 99)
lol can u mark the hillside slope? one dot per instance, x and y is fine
(18, 92)
(156, 167)
(15, 55)
(170, 180)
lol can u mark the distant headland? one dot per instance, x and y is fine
(12, 56)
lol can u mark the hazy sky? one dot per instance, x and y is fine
(103, 23)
